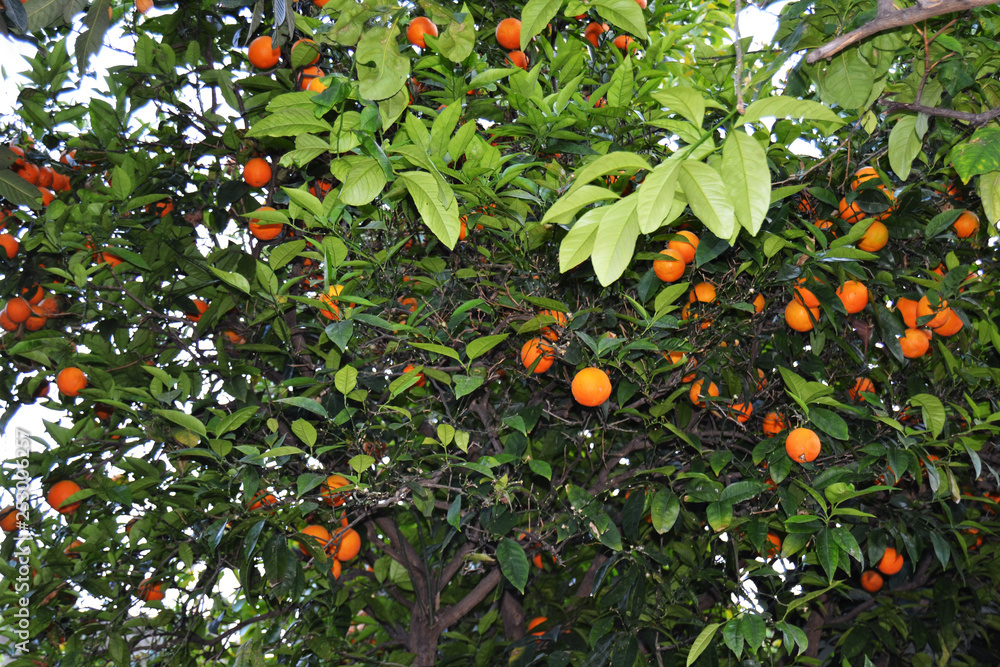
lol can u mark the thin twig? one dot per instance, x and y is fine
(974, 119)
(738, 71)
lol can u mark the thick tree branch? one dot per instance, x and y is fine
(887, 19)
(410, 560)
(452, 614)
(974, 119)
(454, 565)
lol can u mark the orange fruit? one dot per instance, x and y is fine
(951, 326)
(854, 296)
(421, 380)
(18, 310)
(9, 516)
(924, 309)
(592, 33)
(19, 162)
(908, 309)
(696, 394)
(260, 500)
(800, 318)
(561, 321)
(233, 337)
(58, 494)
(686, 246)
(200, 306)
(71, 380)
(508, 34)
(891, 562)
(892, 203)
(875, 237)
(150, 591)
(804, 295)
(758, 303)
(772, 547)
(6, 323)
(741, 411)
(29, 172)
(534, 623)
(677, 357)
(851, 213)
(308, 76)
(861, 385)
(320, 534)
(536, 349)
(50, 305)
(162, 208)
(669, 270)
(419, 27)
(45, 177)
(703, 293)
(306, 47)
(863, 174)
(320, 189)
(623, 42)
(518, 59)
(257, 172)
(641, 3)
(346, 545)
(36, 320)
(9, 245)
(47, 196)
(262, 53)
(803, 445)
(591, 387)
(914, 343)
(327, 491)
(33, 294)
(267, 231)
(336, 569)
(409, 303)
(871, 581)
(143, 6)
(334, 312)
(825, 225)
(966, 225)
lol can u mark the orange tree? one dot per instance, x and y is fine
(329, 300)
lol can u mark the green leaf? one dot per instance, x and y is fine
(365, 180)
(481, 346)
(183, 419)
(486, 77)
(513, 563)
(826, 552)
(232, 279)
(578, 244)
(98, 20)
(281, 255)
(702, 641)
(289, 122)
(719, 515)
(277, 452)
(988, 187)
(665, 509)
(846, 80)
(540, 468)
(18, 191)
(305, 431)
(624, 14)
(619, 94)
(614, 244)
(235, 420)
(753, 630)
(789, 107)
(361, 462)
(438, 349)
(569, 204)
(459, 38)
(465, 385)
(346, 380)
(829, 422)
(688, 102)
(744, 163)
(535, 16)
(607, 164)
(436, 203)
(308, 404)
(656, 196)
(382, 69)
(932, 411)
(980, 154)
(454, 516)
(708, 197)
(904, 145)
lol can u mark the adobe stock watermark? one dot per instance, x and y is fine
(22, 494)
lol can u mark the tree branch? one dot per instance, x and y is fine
(454, 565)
(974, 119)
(452, 614)
(887, 19)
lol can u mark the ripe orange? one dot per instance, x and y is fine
(908, 309)
(419, 27)
(914, 343)
(45, 176)
(306, 48)
(9, 516)
(951, 326)
(924, 309)
(150, 591)
(36, 320)
(758, 303)
(742, 411)
(534, 623)
(854, 296)
(47, 196)
(696, 394)
(592, 33)
(891, 562)
(686, 246)
(892, 203)
(262, 499)
(803, 445)
(825, 225)
(71, 380)
(58, 494)
(267, 231)
(421, 380)
(9, 245)
(200, 306)
(561, 322)
(518, 59)
(804, 295)
(409, 303)
(257, 172)
(327, 491)
(143, 6)
(875, 237)
(18, 310)
(798, 317)
(536, 349)
(29, 172)
(851, 213)
(864, 174)
(702, 292)
(966, 225)
(641, 3)
(677, 357)
(336, 569)
(309, 76)
(320, 534)
(509, 34)
(346, 545)
(772, 547)
(49, 305)
(623, 42)
(861, 385)
(871, 581)
(262, 53)
(669, 270)
(334, 312)
(591, 387)
(6, 323)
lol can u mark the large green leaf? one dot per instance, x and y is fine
(289, 122)
(702, 642)
(656, 196)
(619, 93)
(436, 203)
(607, 164)
(904, 145)
(578, 244)
(624, 14)
(513, 563)
(459, 38)
(688, 102)
(614, 244)
(17, 190)
(382, 69)
(708, 197)
(364, 181)
(989, 191)
(535, 16)
(744, 163)
(979, 155)
(846, 80)
(569, 204)
(780, 106)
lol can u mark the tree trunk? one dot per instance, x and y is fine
(423, 641)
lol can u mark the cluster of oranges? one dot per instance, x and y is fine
(344, 543)
(49, 181)
(31, 310)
